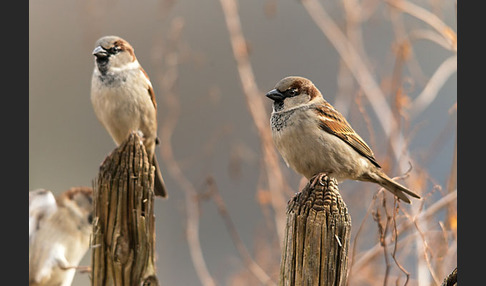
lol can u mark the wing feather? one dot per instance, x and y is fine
(331, 121)
(149, 88)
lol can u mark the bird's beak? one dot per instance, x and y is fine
(275, 95)
(99, 52)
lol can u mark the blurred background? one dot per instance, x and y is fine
(388, 66)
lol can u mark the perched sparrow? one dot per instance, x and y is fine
(123, 98)
(62, 239)
(313, 137)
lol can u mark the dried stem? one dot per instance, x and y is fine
(395, 234)
(382, 231)
(366, 118)
(431, 210)
(252, 266)
(429, 18)
(260, 117)
(361, 73)
(355, 240)
(430, 35)
(425, 252)
(431, 90)
(168, 81)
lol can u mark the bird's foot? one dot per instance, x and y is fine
(82, 269)
(318, 179)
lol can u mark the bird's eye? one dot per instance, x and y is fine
(292, 92)
(113, 50)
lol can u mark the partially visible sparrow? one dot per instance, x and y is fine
(123, 98)
(314, 138)
(62, 239)
(42, 204)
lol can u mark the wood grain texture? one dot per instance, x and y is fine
(123, 241)
(318, 232)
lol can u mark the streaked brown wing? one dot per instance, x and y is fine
(333, 122)
(150, 89)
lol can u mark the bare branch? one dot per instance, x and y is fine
(168, 81)
(260, 117)
(427, 96)
(426, 253)
(430, 35)
(429, 18)
(254, 268)
(362, 75)
(431, 210)
(395, 234)
(355, 240)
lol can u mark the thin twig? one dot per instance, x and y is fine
(252, 266)
(365, 116)
(260, 117)
(429, 18)
(426, 250)
(431, 210)
(404, 41)
(382, 231)
(354, 15)
(430, 35)
(355, 240)
(168, 81)
(436, 82)
(395, 234)
(362, 75)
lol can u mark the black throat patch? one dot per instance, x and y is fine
(109, 78)
(278, 105)
(102, 64)
(279, 121)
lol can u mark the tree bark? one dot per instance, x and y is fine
(317, 236)
(123, 240)
(451, 279)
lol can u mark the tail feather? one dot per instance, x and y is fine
(395, 188)
(159, 185)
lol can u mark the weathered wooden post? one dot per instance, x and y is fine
(318, 232)
(123, 239)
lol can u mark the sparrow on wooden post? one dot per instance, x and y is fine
(123, 98)
(61, 235)
(314, 138)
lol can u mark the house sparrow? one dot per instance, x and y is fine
(314, 138)
(62, 239)
(123, 98)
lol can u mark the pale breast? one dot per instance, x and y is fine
(124, 105)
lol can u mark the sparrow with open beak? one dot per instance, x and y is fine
(123, 98)
(61, 237)
(314, 138)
